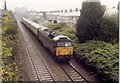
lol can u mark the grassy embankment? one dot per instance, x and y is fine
(96, 54)
(10, 48)
(0, 47)
(0, 40)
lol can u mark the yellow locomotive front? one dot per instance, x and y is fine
(63, 49)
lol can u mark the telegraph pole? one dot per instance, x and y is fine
(5, 5)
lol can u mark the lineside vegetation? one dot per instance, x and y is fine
(95, 40)
(10, 48)
(97, 54)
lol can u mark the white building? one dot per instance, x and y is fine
(68, 17)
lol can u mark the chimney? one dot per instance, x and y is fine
(70, 10)
(65, 10)
(61, 10)
(76, 9)
(55, 11)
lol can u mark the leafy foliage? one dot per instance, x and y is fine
(103, 56)
(62, 28)
(89, 22)
(12, 28)
(0, 47)
(55, 26)
(110, 30)
(9, 43)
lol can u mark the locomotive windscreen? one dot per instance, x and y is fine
(64, 44)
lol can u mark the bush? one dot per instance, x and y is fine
(9, 70)
(110, 30)
(11, 28)
(101, 55)
(63, 29)
(55, 21)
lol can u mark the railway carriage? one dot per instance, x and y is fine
(59, 45)
(32, 26)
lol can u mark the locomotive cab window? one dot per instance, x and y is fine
(68, 44)
(60, 43)
(64, 44)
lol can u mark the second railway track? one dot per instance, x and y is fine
(73, 73)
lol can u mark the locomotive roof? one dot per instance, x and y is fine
(26, 20)
(43, 28)
(60, 37)
(35, 25)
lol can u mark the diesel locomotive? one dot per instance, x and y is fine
(60, 45)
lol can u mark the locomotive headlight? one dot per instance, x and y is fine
(66, 44)
(65, 53)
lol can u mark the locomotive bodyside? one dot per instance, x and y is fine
(43, 36)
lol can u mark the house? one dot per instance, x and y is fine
(70, 17)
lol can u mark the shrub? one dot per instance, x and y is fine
(101, 55)
(110, 30)
(9, 70)
(11, 28)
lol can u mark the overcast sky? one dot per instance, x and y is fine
(49, 5)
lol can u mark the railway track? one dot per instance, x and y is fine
(39, 67)
(73, 73)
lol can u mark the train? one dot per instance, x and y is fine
(59, 45)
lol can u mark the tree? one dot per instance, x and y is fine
(88, 25)
(110, 28)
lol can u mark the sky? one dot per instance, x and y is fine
(49, 5)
